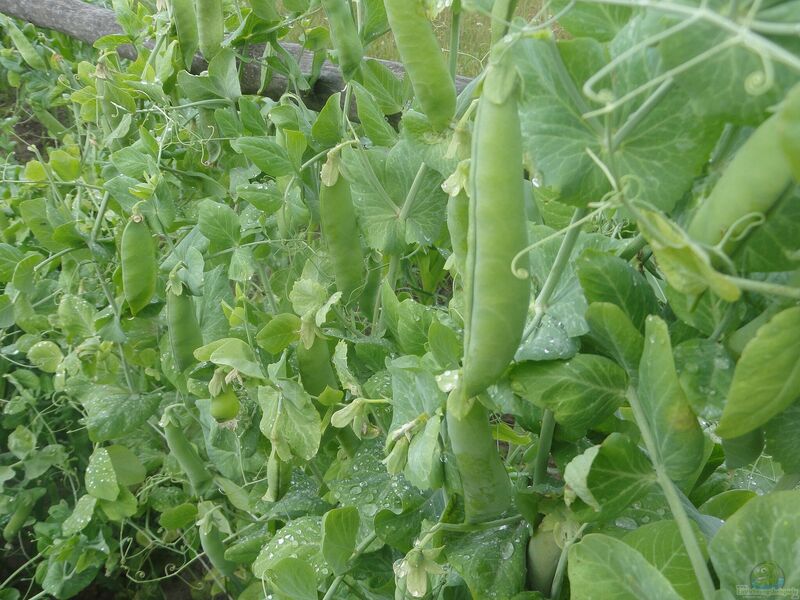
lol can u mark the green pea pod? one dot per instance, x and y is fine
(265, 9)
(496, 300)
(138, 262)
(187, 457)
(185, 20)
(184, 330)
(225, 406)
(458, 226)
(340, 228)
(543, 556)
(743, 189)
(314, 364)
(502, 11)
(23, 503)
(279, 477)
(210, 27)
(486, 486)
(349, 50)
(423, 60)
(23, 45)
(211, 540)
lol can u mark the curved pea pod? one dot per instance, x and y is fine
(23, 504)
(752, 182)
(184, 330)
(211, 540)
(314, 364)
(138, 262)
(486, 486)
(340, 229)
(210, 27)
(279, 477)
(187, 457)
(185, 21)
(349, 50)
(26, 50)
(496, 300)
(423, 60)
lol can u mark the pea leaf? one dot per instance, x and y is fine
(219, 223)
(80, 517)
(767, 376)
(677, 432)
(612, 331)
(101, 480)
(281, 331)
(581, 391)
(293, 578)
(339, 532)
(755, 546)
(602, 566)
(266, 154)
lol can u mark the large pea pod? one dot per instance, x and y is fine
(184, 330)
(138, 262)
(752, 182)
(314, 364)
(349, 50)
(496, 300)
(486, 486)
(210, 26)
(26, 50)
(458, 226)
(423, 60)
(23, 504)
(340, 229)
(225, 406)
(211, 541)
(185, 20)
(188, 458)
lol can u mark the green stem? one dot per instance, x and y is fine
(356, 553)
(543, 450)
(98, 221)
(501, 15)
(455, 37)
(764, 287)
(673, 500)
(558, 579)
(633, 247)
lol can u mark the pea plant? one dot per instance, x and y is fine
(532, 335)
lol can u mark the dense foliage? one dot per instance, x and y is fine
(537, 339)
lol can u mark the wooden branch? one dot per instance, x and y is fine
(88, 23)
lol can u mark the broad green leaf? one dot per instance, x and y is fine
(612, 331)
(46, 356)
(293, 579)
(727, 503)
(424, 466)
(266, 154)
(178, 517)
(80, 517)
(339, 532)
(607, 278)
(290, 420)
(414, 391)
(101, 480)
(236, 495)
(9, 257)
(581, 391)
(445, 344)
(775, 245)
(112, 412)
(599, 21)
(327, 128)
(242, 266)
(783, 444)
(123, 507)
(610, 477)
(299, 539)
(413, 322)
(38, 463)
(491, 562)
(757, 546)
(363, 482)
(76, 317)
(661, 545)
(743, 450)
(705, 371)
(127, 466)
(236, 354)
(604, 567)
(281, 331)
(678, 436)
(65, 165)
(219, 223)
(21, 442)
(767, 377)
